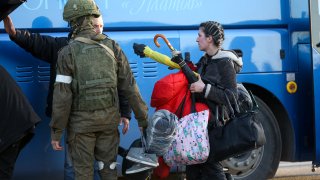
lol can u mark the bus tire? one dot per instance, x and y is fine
(261, 163)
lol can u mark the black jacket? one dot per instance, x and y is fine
(17, 116)
(219, 75)
(46, 48)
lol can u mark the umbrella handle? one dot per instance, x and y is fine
(155, 40)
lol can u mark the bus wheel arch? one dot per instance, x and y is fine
(282, 118)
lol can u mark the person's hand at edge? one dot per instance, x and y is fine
(9, 27)
(125, 122)
(56, 145)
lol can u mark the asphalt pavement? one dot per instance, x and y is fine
(297, 171)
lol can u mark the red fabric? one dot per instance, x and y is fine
(163, 170)
(191, 65)
(167, 94)
(166, 90)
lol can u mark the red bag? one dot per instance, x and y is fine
(169, 92)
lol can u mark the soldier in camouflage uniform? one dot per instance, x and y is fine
(91, 70)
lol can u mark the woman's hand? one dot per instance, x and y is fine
(197, 86)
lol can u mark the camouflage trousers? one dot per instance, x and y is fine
(101, 146)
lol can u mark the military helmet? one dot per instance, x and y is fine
(77, 8)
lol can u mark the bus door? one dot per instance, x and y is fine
(314, 9)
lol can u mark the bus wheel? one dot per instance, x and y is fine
(261, 163)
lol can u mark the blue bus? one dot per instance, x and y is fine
(280, 45)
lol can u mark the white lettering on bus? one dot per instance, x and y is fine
(136, 7)
(106, 4)
(27, 5)
(43, 4)
(62, 3)
(161, 5)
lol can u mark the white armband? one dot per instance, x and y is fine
(63, 79)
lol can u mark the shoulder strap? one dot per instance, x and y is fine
(254, 102)
(179, 110)
(89, 41)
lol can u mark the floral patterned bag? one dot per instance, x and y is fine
(191, 142)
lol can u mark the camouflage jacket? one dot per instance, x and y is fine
(88, 121)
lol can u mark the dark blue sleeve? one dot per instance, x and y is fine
(40, 46)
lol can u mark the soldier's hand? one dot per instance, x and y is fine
(9, 27)
(56, 145)
(141, 130)
(125, 122)
(138, 49)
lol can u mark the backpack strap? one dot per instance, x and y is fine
(89, 41)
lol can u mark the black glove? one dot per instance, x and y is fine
(177, 58)
(138, 49)
(185, 68)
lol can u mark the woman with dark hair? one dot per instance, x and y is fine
(217, 68)
(216, 83)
